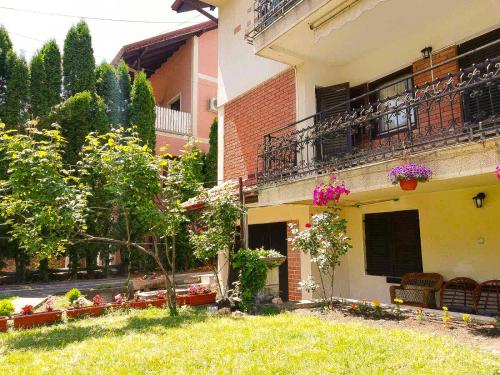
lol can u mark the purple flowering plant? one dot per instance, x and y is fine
(498, 172)
(406, 172)
(326, 192)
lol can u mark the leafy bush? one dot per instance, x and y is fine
(6, 308)
(253, 273)
(73, 294)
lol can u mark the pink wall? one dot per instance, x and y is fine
(207, 88)
(174, 77)
(173, 144)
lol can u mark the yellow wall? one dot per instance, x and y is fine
(451, 230)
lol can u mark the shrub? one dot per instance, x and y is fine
(73, 294)
(6, 308)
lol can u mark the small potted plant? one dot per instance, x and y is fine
(81, 309)
(119, 302)
(200, 295)
(6, 310)
(28, 318)
(409, 175)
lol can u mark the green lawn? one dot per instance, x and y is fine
(150, 342)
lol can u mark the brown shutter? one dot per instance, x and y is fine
(332, 101)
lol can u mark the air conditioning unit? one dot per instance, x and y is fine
(212, 104)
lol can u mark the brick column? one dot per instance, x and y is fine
(293, 257)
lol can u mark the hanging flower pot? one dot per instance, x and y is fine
(408, 185)
(409, 175)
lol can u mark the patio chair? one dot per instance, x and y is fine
(458, 294)
(487, 298)
(418, 289)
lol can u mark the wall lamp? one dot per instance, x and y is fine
(479, 200)
(426, 52)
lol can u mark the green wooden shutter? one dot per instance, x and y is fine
(406, 249)
(377, 244)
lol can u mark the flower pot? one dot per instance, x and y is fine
(182, 299)
(408, 185)
(201, 299)
(37, 319)
(160, 303)
(138, 304)
(115, 305)
(85, 311)
(3, 324)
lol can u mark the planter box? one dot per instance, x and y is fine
(85, 311)
(144, 303)
(115, 305)
(37, 319)
(202, 299)
(3, 324)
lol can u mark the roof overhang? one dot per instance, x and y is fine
(181, 6)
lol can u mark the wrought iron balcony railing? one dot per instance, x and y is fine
(266, 12)
(459, 108)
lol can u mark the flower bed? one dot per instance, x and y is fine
(3, 324)
(37, 319)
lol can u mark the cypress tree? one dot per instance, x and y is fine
(107, 88)
(5, 48)
(142, 110)
(211, 157)
(123, 77)
(78, 61)
(53, 72)
(17, 92)
(38, 86)
(79, 115)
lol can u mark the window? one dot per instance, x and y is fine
(392, 243)
(175, 103)
(395, 90)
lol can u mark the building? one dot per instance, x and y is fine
(182, 68)
(309, 88)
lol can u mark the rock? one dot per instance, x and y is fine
(225, 311)
(238, 313)
(277, 301)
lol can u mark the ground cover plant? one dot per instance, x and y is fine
(197, 343)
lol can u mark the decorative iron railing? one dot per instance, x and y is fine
(461, 107)
(266, 12)
(172, 121)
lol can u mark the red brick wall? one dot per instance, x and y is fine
(441, 113)
(293, 258)
(248, 118)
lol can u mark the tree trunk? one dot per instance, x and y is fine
(89, 264)
(43, 269)
(21, 260)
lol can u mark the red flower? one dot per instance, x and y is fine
(308, 225)
(27, 310)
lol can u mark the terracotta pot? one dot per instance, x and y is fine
(115, 305)
(37, 319)
(182, 299)
(160, 303)
(139, 304)
(408, 185)
(201, 299)
(3, 324)
(85, 311)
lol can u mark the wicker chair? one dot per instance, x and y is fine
(458, 294)
(487, 298)
(418, 289)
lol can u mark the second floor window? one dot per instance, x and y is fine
(394, 97)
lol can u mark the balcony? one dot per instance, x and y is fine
(455, 110)
(173, 122)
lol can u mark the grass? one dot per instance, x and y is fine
(151, 342)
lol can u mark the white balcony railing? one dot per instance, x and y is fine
(172, 121)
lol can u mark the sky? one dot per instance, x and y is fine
(29, 29)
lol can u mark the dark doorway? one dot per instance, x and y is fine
(272, 236)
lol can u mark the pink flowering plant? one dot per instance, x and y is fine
(50, 303)
(497, 172)
(119, 299)
(97, 300)
(330, 191)
(411, 171)
(194, 290)
(324, 239)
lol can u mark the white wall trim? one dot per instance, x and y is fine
(194, 86)
(174, 99)
(206, 77)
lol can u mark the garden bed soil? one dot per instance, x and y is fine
(37, 319)
(85, 311)
(485, 335)
(3, 324)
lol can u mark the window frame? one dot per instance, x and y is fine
(174, 99)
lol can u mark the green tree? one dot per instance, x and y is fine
(107, 87)
(211, 157)
(142, 110)
(78, 61)
(53, 72)
(78, 116)
(5, 49)
(125, 84)
(38, 86)
(17, 93)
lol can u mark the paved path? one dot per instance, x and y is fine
(61, 287)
